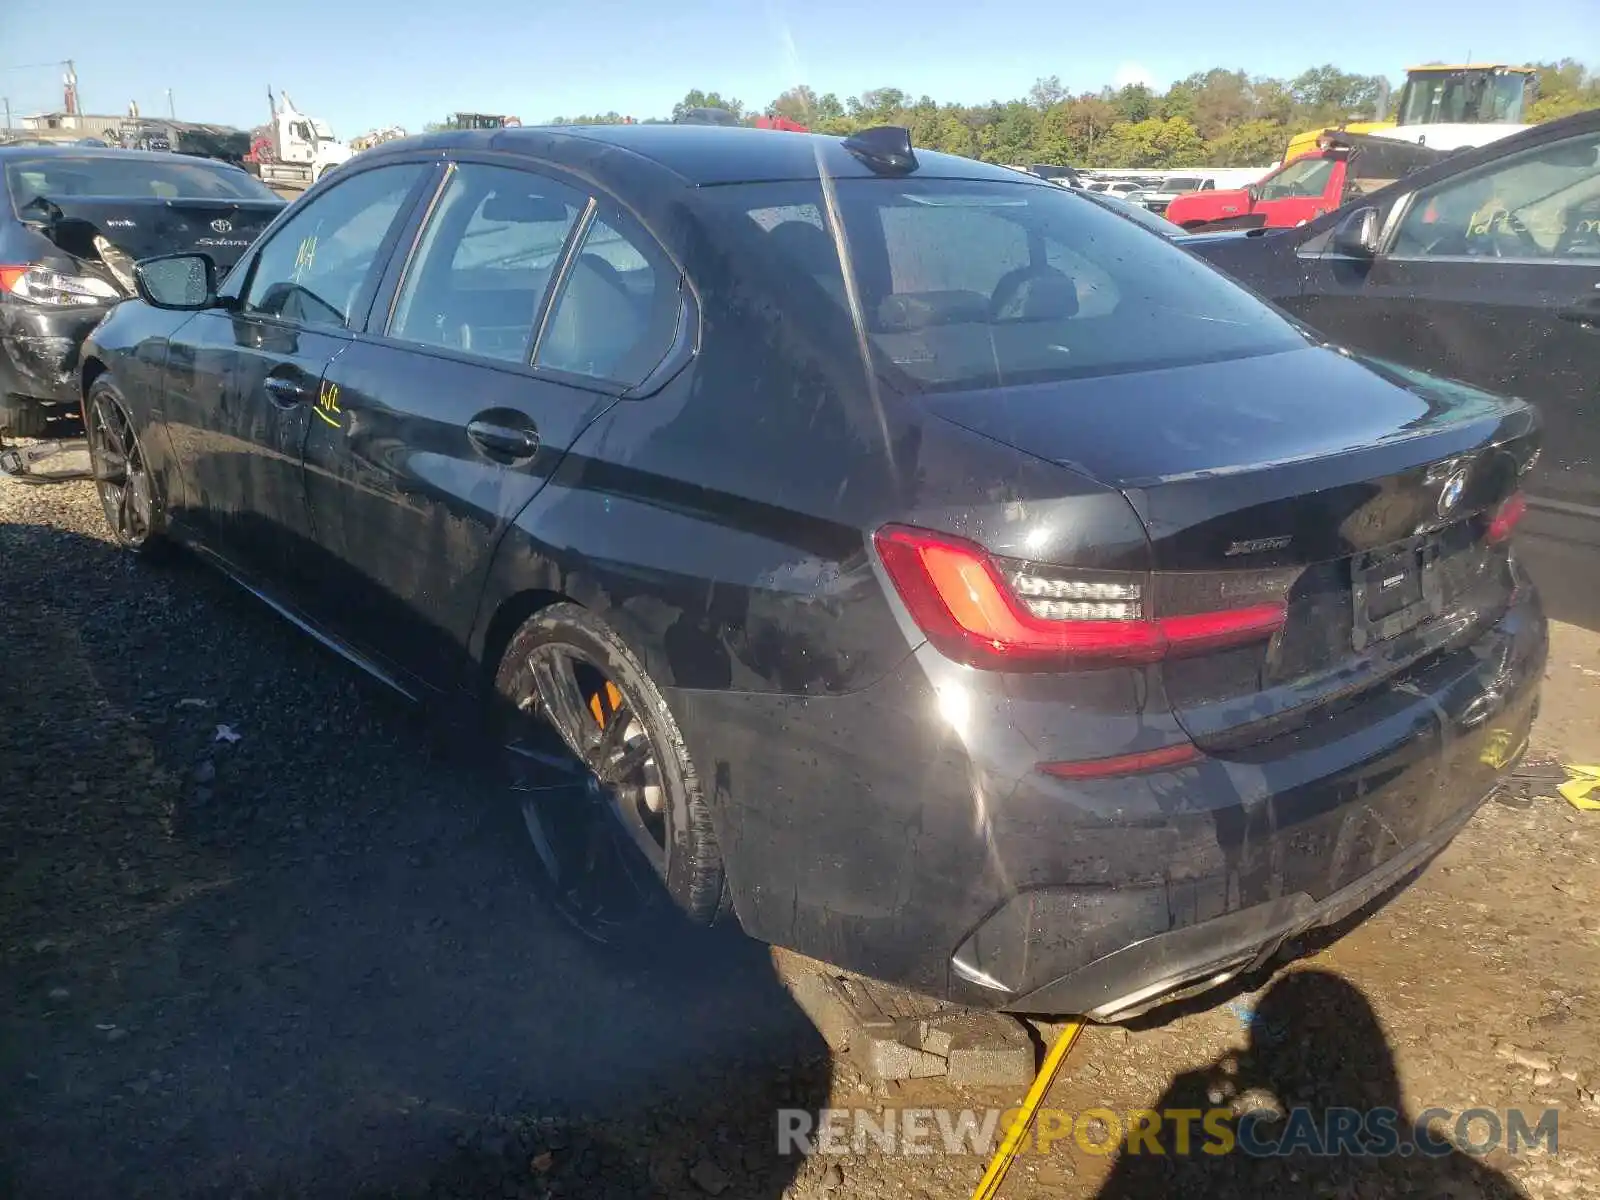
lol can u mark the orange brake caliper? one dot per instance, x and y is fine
(613, 702)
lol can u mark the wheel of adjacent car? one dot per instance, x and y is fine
(620, 834)
(127, 489)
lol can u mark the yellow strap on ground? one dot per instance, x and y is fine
(1585, 779)
(989, 1185)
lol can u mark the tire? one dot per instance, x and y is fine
(660, 871)
(129, 491)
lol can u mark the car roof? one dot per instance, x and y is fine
(699, 155)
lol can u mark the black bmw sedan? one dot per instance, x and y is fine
(911, 560)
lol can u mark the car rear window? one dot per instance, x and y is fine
(97, 177)
(967, 284)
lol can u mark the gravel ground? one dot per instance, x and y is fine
(306, 960)
(262, 933)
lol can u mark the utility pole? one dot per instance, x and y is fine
(74, 104)
(172, 111)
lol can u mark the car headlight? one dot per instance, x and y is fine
(41, 285)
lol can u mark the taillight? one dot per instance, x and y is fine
(1028, 614)
(1505, 518)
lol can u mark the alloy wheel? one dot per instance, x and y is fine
(586, 775)
(120, 474)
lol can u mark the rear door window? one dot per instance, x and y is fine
(485, 262)
(618, 309)
(965, 284)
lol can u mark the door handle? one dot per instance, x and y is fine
(499, 440)
(286, 391)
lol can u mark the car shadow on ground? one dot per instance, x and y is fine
(1317, 1056)
(261, 934)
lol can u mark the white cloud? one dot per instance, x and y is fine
(1130, 73)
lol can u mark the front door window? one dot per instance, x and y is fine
(320, 260)
(1542, 204)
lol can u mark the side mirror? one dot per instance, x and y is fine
(185, 282)
(1357, 235)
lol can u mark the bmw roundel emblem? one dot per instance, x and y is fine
(1451, 496)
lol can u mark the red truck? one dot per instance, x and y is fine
(1344, 166)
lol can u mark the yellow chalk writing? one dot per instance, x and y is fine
(328, 404)
(304, 257)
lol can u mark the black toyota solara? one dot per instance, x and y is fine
(912, 561)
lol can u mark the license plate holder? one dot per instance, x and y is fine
(1389, 588)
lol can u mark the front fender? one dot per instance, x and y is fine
(133, 344)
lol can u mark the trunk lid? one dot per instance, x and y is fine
(141, 227)
(1360, 494)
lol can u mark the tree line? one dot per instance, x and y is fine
(1213, 118)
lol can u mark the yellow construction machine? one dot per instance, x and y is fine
(1447, 107)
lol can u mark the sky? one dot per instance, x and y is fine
(362, 66)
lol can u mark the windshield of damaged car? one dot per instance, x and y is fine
(963, 284)
(1302, 179)
(63, 177)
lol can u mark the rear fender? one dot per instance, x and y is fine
(531, 571)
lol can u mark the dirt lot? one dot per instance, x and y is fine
(262, 933)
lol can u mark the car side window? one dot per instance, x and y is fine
(315, 265)
(618, 309)
(1543, 203)
(485, 261)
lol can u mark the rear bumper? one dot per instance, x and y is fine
(1193, 958)
(896, 834)
(39, 354)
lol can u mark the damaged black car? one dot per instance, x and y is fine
(72, 222)
(902, 556)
